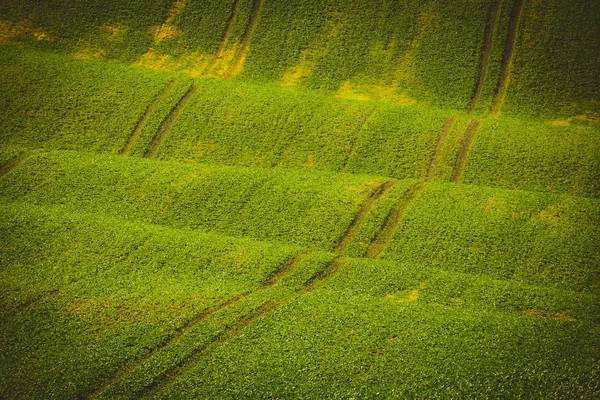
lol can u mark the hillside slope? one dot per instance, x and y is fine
(273, 199)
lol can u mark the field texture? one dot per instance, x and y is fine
(264, 199)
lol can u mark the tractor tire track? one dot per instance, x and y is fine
(14, 163)
(438, 150)
(392, 222)
(509, 48)
(360, 216)
(240, 54)
(465, 147)
(487, 50)
(235, 329)
(142, 121)
(183, 329)
(226, 37)
(164, 126)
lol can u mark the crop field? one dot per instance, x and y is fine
(262, 199)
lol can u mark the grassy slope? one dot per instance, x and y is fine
(53, 101)
(82, 295)
(556, 65)
(429, 51)
(532, 155)
(364, 334)
(480, 292)
(313, 209)
(544, 239)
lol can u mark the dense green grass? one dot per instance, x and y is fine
(52, 101)
(557, 60)
(357, 337)
(530, 155)
(544, 239)
(269, 199)
(78, 291)
(428, 51)
(297, 207)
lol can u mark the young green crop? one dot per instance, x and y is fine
(52, 101)
(537, 238)
(268, 204)
(83, 295)
(530, 155)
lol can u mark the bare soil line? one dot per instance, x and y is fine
(164, 126)
(438, 150)
(465, 147)
(149, 110)
(234, 330)
(392, 222)
(274, 278)
(14, 163)
(360, 216)
(487, 50)
(240, 55)
(509, 48)
(226, 36)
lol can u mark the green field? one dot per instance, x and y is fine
(263, 199)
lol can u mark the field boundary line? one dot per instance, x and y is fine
(361, 214)
(240, 54)
(13, 163)
(438, 149)
(146, 116)
(161, 132)
(183, 329)
(333, 267)
(393, 220)
(352, 150)
(463, 152)
(507, 58)
(487, 50)
(226, 36)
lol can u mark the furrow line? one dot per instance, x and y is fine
(360, 216)
(438, 150)
(142, 121)
(14, 163)
(182, 330)
(465, 147)
(164, 126)
(226, 36)
(511, 40)
(392, 222)
(240, 54)
(487, 50)
(235, 329)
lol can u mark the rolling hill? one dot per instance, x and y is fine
(270, 199)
